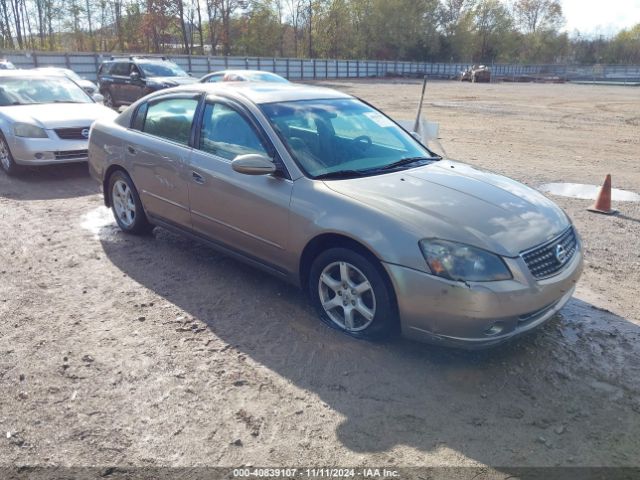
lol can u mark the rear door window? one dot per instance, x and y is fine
(170, 119)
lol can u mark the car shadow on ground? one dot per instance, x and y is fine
(568, 394)
(49, 182)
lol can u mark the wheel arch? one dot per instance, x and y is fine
(105, 181)
(325, 241)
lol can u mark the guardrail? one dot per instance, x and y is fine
(86, 65)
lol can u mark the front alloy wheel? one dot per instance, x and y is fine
(6, 159)
(351, 293)
(346, 296)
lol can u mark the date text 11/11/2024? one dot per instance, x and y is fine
(315, 472)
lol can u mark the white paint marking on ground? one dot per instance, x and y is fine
(587, 192)
(98, 221)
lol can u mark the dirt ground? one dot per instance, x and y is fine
(157, 351)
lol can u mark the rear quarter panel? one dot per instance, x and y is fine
(106, 148)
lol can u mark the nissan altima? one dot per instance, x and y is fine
(324, 191)
(44, 120)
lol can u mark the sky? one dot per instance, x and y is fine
(604, 17)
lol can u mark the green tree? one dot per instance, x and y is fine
(493, 28)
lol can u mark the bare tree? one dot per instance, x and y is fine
(533, 15)
(213, 12)
(17, 21)
(183, 26)
(296, 13)
(451, 12)
(227, 9)
(200, 26)
(6, 27)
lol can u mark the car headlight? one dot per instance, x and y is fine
(457, 261)
(29, 131)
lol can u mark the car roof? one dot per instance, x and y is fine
(244, 72)
(264, 92)
(30, 74)
(135, 59)
(53, 70)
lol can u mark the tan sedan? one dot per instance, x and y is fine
(328, 193)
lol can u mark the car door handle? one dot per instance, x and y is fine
(197, 177)
(131, 150)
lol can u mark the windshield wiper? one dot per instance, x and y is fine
(340, 174)
(407, 161)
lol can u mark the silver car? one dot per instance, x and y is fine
(242, 76)
(44, 120)
(87, 85)
(328, 193)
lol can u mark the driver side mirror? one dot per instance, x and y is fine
(253, 164)
(98, 98)
(134, 76)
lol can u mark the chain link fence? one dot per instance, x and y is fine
(86, 65)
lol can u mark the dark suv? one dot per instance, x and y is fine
(124, 80)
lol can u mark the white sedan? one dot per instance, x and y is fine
(87, 85)
(242, 76)
(44, 120)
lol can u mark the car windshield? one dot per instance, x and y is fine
(33, 90)
(73, 75)
(342, 137)
(266, 77)
(166, 69)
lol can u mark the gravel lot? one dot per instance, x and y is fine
(157, 351)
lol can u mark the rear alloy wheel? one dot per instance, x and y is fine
(7, 162)
(126, 204)
(108, 100)
(351, 294)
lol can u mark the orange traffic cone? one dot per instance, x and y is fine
(603, 200)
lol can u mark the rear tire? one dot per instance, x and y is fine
(351, 293)
(108, 100)
(7, 162)
(126, 205)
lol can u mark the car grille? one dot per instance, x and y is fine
(543, 260)
(71, 154)
(72, 133)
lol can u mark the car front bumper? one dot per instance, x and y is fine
(480, 314)
(47, 151)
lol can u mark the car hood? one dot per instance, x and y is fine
(454, 201)
(174, 80)
(56, 115)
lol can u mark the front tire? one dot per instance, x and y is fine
(351, 294)
(126, 205)
(7, 162)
